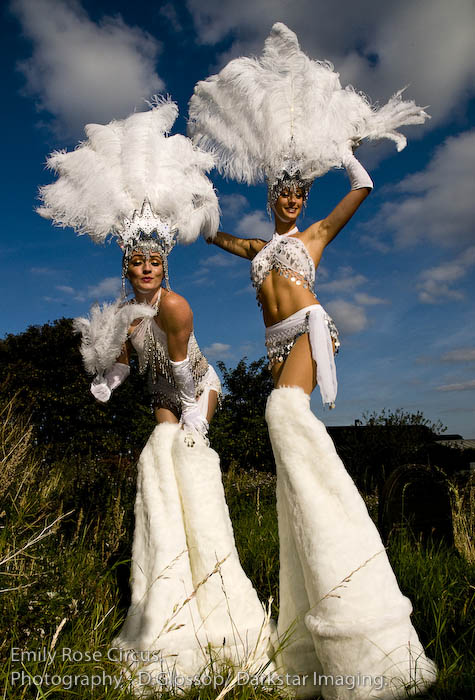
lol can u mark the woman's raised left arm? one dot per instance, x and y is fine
(361, 186)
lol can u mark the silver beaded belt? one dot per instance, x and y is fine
(324, 343)
(281, 342)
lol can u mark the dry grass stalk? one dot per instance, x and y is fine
(15, 439)
(463, 517)
(45, 532)
(249, 664)
(180, 607)
(56, 634)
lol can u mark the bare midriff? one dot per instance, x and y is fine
(280, 297)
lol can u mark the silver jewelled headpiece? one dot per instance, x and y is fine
(147, 233)
(286, 174)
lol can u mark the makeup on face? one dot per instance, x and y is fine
(145, 272)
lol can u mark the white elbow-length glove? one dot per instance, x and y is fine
(191, 416)
(357, 174)
(103, 385)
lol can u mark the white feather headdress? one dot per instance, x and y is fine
(285, 114)
(132, 181)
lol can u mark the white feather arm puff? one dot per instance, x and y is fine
(104, 333)
(121, 165)
(256, 110)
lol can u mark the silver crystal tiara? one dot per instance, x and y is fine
(146, 232)
(286, 174)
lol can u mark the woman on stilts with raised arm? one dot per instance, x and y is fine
(344, 627)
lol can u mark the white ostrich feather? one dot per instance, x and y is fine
(105, 332)
(121, 165)
(257, 109)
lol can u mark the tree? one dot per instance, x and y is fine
(399, 417)
(381, 442)
(239, 431)
(42, 368)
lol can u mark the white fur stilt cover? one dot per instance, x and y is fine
(124, 163)
(339, 598)
(191, 600)
(248, 114)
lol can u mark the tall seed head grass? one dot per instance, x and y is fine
(15, 439)
(462, 499)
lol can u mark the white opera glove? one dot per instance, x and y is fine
(191, 416)
(103, 385)
(359, 178)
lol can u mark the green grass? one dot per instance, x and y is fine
(440, 584)
(63, 578)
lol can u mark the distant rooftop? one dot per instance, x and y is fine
(457, 441)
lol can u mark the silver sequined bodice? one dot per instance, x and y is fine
(150, 343)
(289, 256)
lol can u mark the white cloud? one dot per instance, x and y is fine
(65, 289)
(428, 44)
(218, 260)
(217, 350)
(435, 283)
(109, 287)
(205, 270)
(81, 71)
(432, 292)
(440, 206)
(378, 46)
(255, 225)
(233, 205)
(348, 317)
(169, 12)
(375, 243)
(345, 281)
(247, 289)
(459, 355)
(322, 272)
(248, 348)
(368, 300)
(46, 271)
(462, 386)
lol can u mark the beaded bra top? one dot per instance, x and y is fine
(289, 256)
(150, 343)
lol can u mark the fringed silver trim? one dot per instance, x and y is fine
(278, 349)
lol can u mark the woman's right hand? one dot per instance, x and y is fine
(101, 391)
(103, 385)
(193, 419)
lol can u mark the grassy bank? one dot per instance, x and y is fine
(64, 569)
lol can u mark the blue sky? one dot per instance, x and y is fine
(398, 280)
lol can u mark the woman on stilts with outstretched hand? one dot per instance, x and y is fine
(344, 627)
(193, 609)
